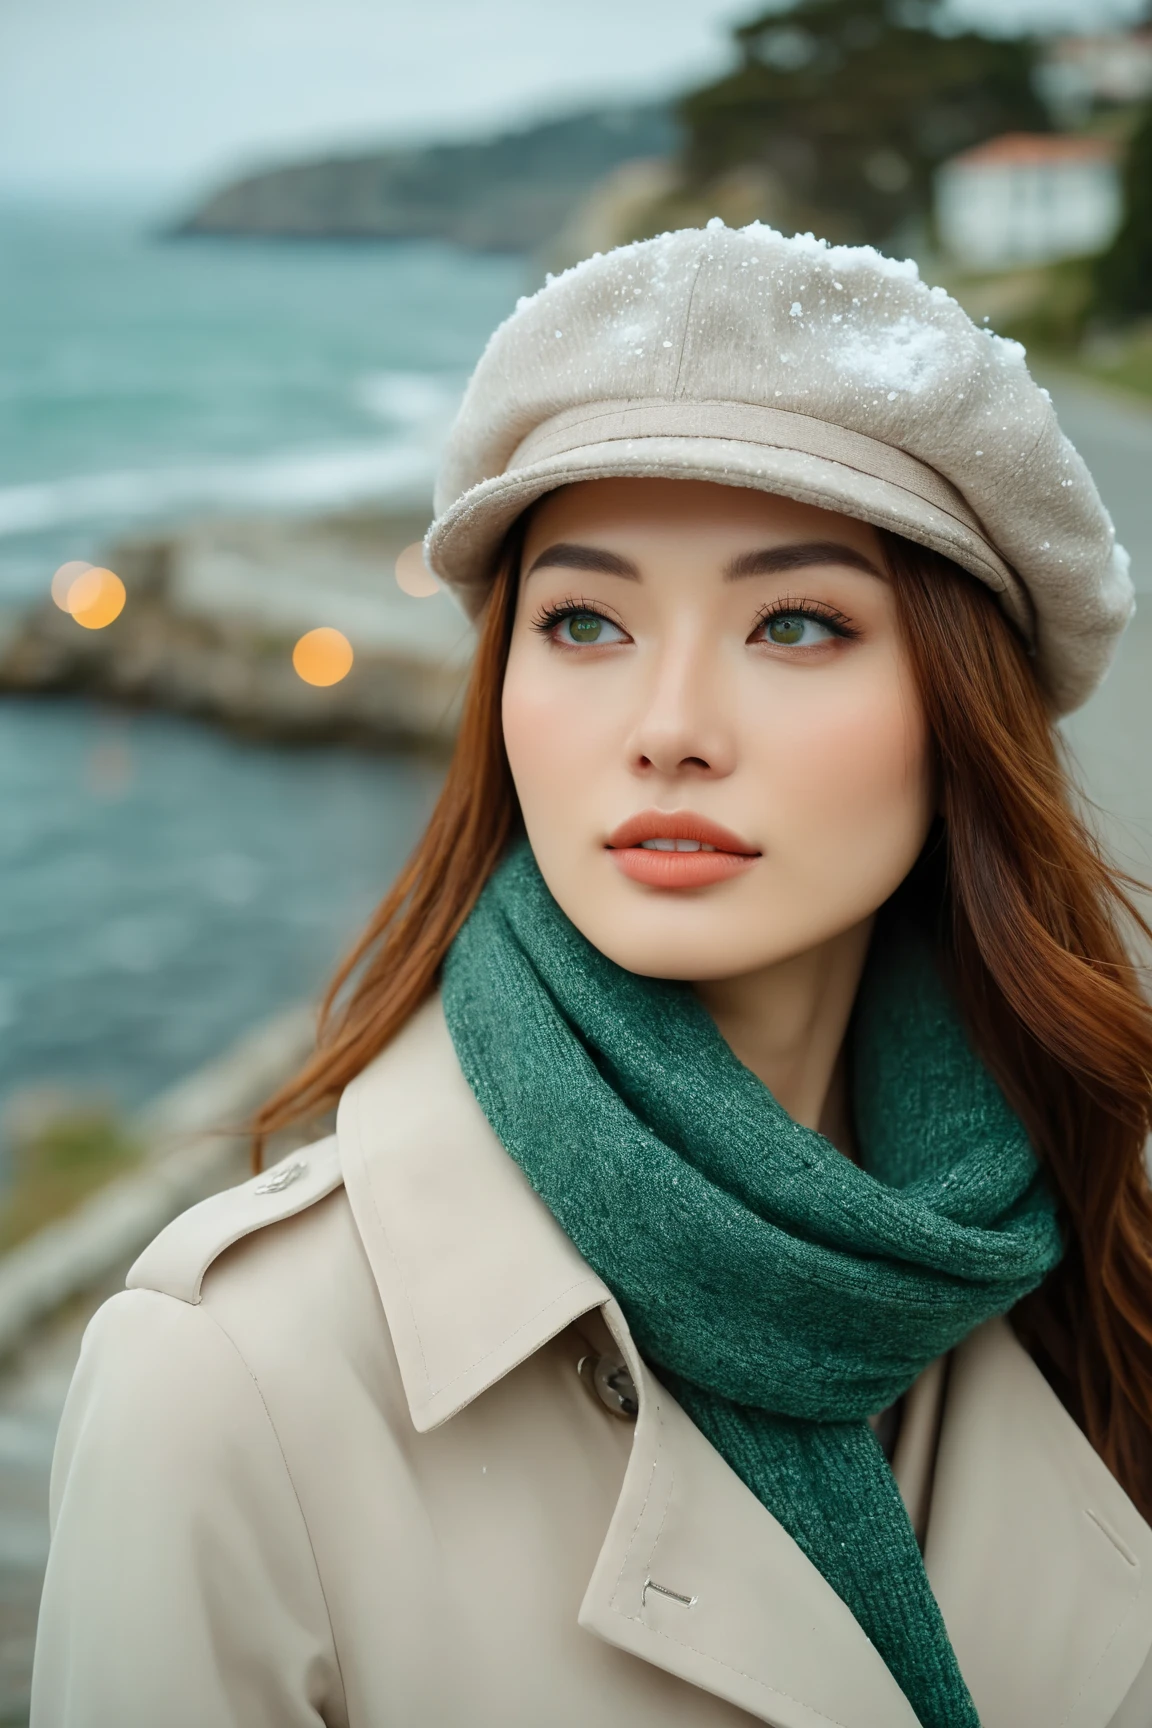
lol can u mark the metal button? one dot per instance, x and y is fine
(612, 1384)
(280, 1177)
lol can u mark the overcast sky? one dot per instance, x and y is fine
(165, 97)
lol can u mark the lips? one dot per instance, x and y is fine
(714, 853)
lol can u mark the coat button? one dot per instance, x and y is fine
(612, 1384)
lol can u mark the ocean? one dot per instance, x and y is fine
(163, 886)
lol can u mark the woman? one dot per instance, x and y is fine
(728, 1293)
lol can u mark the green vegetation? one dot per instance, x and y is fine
(1123, 282)
(1121, 358)
(1044, 306)
(845, 108)
(1051, 309)
(67, 1159)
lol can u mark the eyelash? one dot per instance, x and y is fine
(788, 607)
(547, 620)
(550, 617)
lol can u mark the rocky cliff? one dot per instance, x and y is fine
(510, 193)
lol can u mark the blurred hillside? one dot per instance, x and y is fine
(845, 117)
(835, 117)
(510, 193)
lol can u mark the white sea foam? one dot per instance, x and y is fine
(416, 401)
(417, 407)
(391, 472)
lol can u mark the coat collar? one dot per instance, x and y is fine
(1041, 1564)
(473, 1271)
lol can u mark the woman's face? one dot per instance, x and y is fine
(712, 724)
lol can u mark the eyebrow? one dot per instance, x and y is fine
(565, 555)
(769, 560)
(765, 561)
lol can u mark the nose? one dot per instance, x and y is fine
(681, 727)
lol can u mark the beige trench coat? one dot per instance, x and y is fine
(330, 1459)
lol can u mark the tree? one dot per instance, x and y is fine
(1124, 273)
(847, 107)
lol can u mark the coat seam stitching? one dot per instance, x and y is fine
(663, 1517)
(684, 1643)
(631, 1543)
(523, 1327)
(301, 1201)
(1117, 1542)
(256, 1387)
(1117, 1630)
(730, 1667)
(392, 1255)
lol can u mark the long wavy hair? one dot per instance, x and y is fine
(1033, 923)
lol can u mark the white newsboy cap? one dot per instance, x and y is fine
(828, 374)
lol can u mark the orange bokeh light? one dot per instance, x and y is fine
(96, 598)
(322, 656)
(413, 575)
(64, 579)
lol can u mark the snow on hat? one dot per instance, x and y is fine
(827, 374)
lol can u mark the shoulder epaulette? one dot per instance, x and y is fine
(176, 1261)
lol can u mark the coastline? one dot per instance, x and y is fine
(214, 609)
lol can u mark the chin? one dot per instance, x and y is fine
(661, 947)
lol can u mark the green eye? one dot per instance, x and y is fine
(585, 627)
(571, 627)
(796, 630)
(787, 629)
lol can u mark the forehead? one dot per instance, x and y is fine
(634, 512)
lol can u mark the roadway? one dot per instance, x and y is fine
(1111, 737)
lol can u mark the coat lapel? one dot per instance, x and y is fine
(1039, 1561)
(694, 1575)
(697, 1577)
(473, 1271)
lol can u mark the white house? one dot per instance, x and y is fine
(1028, 198)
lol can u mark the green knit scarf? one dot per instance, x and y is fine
(783, 1293)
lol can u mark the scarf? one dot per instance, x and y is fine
(783, 1293)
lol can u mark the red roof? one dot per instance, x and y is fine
(1038, 149)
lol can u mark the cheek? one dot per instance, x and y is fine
(557, 740)
(852, 767)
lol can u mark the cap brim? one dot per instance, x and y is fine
(463, 543)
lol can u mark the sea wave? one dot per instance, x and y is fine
(420, 401)
(391, 473)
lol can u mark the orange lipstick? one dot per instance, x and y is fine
(678, 849)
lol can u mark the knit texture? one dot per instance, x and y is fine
(783, 1293)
